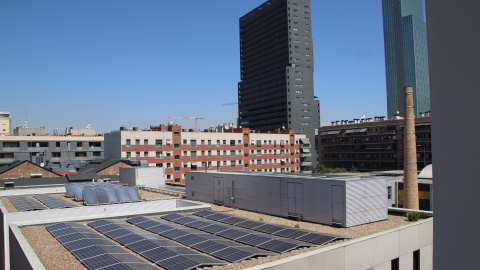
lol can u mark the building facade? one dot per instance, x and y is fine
(371, 144)
(406, 59)
(236, 149)
(276, 66)
(5, 123)
(50, 150)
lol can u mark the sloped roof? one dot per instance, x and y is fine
(99, 165)
(17, 163)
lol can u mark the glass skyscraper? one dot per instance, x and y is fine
(406, 59)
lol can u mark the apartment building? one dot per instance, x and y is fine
(372, 144)
(51, 150)
(5, 123)
(236, 149)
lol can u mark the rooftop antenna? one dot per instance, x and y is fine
(88, 125)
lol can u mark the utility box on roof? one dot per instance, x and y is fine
(333, 200)
(151, 177)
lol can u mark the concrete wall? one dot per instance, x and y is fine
(454, 57)
(22, 255)
(371, 252)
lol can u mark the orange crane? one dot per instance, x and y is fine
(188, 117)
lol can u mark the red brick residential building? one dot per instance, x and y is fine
(238, 149)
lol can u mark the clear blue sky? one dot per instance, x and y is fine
(135, 63)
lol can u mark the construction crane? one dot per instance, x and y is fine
(188, 117)
(231, 103)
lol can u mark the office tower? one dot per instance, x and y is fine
(276, 62)
(406, 59)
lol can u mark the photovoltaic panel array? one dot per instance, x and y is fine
(270, 243)
(276, 230)
(203, 244)
(102, 193)
(92, 256)
(26, 203)
(53, 201)
(154, 252)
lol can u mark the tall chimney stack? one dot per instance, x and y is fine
(410, 178)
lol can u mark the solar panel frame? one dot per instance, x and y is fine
(232, 254)
(87, 252)
(123, 194)
(78, 193)
(89, 197)
(112, 195)
(101, 196)
(316, 238)
(203, 213)
(133, 192)
(70, 188)
(290, 233)
(278, 246)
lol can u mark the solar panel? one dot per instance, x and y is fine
(82, 243)
(203, 213)
(209, 246)
(88, 252)
(172, 234)
(253, 239)
(123, 194)
(233, 254)
(185, 220)
(62, 232)
(127, 239)
(316, 238)
(140, 266)
(290, 233)
(137, 220)
(232, 234)
(249, 224)
(268, 228)
(214, 228)
(55, 227)
(70, 237)
(278, 246)
(217, 216)
(142, 246)
(205, 260)
(232, 220)
(89, 197)
(178, 264)
(190, 239)
(159, 254)
(112, 195)
(78, 190)
(101, 196)
(99, 223)
(172, 216)
(70, 190)
(104, 261)
(133, 192)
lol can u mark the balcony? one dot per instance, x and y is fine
(6, 160)
(10, 149)
(306, 163)
(305, 154)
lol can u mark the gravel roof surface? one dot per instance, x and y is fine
(54, 256)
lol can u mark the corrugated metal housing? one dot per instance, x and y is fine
(344, 200)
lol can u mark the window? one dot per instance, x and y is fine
(185, 153)
(193, 154)
(203, 153)
(56, 154)
(129, 155)
(158, 143)
(169, 154)
(79, 144)
(218, 153)
(232, 142)
(137, 142)
(184, 141)
(202, 142)
(158, 155)
(168, 165)
(145, 142)
(259, 152)
(389, 193)
(176, 145)
(193, 143)
(137, 154)
(128, 143)
(224, 163)
(224, 141)
(177, 156)
(416, 260)
(176, 133)
(232, 153)
(177, 169)
(209, 143)
(185, 165)
(209, 153)
(145, 154)
(218, 142)
(232, 163)
(209, 164)
(395, 264)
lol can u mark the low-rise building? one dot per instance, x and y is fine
(51, 150)
(371, 144)
(236, 149)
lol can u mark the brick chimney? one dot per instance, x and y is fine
(410, 178)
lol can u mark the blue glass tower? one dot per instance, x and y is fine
(406, 60)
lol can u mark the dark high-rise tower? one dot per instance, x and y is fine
(406, 60)
(276, 63)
